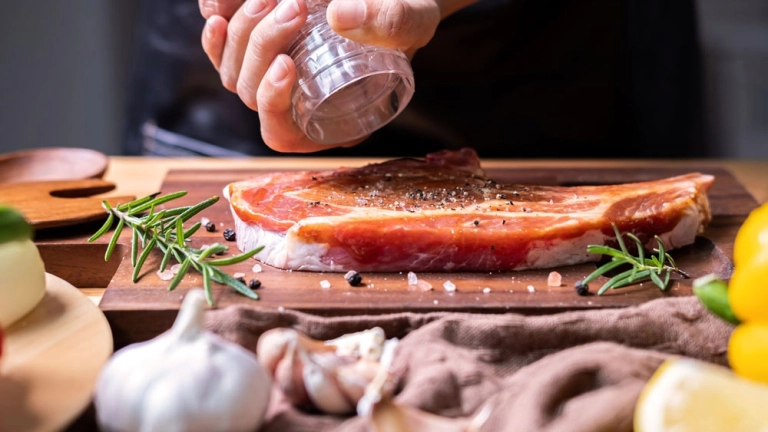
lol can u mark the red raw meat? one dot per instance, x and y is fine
(443, 214)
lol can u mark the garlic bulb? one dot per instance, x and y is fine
(331, 376)
(186, 379)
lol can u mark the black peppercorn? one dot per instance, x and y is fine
(241, 279)
(229, 234)
(353, 278)
(582, 289)
(254, 284)
(210, 227)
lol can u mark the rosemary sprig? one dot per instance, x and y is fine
(642, 268)
(164, 230)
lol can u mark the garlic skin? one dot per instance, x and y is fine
(186, 379)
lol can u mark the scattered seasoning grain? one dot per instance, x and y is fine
(582, 289)
(254, 284)
(424, 285)
(324, 284)
(476, 222)
(412, 278)
(449, 286)
(554, 279)
(210, 227)
(531, 288)
(165, 274)
(229, 234)
(486, 290)
(353, 278)
(241, 279)
(256, 268)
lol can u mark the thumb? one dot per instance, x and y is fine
(403, 24)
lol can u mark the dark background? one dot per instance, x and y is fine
(66, 67)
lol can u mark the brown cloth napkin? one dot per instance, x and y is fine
(573, 371)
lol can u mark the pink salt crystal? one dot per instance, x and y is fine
(554, 279)
(165, 275)
(424, 285)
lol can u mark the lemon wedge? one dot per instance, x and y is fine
(689, 395)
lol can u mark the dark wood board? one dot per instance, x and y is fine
(141, 310)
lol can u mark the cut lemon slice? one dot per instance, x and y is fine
(689, 395)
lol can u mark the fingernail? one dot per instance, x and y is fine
(350, 14)
(278, 71)
(254, 7)
(287, 11)
(208, 29)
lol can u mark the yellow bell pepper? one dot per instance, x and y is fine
(748, 298)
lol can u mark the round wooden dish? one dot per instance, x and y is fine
(54, 163)
(51, 360)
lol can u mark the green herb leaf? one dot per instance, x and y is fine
(642, 268)
(164, 230)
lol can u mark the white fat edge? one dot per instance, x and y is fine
(283, 251)
(559, 253)
(683, 234)
(225, 192)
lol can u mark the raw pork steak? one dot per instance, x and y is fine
(443, 214)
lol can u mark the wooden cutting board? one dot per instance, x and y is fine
(142, 310)
(64, 336)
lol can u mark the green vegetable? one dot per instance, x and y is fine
(713, 294)
(13, 226)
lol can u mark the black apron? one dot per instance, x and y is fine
(510, 78)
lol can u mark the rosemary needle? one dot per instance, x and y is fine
(642, 268)
(164, 230)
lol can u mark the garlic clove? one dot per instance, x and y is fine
(367, 343)
(323, 390)
(330, 375)
(353, 378)
(289, 379)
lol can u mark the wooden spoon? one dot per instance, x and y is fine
(54, 163)
(50, 204)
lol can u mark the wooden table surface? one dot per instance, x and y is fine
(141, 176)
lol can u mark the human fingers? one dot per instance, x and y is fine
(213, 39)
(222, 8)
(270, 37)
(238, 35)
(403, 24)
(278, 128)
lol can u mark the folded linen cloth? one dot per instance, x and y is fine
(572, 371)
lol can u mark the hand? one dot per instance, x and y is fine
(246, 43)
